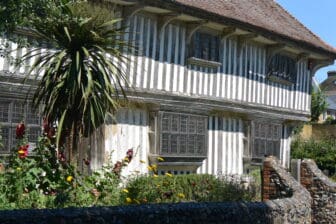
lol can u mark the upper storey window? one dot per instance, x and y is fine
(282, 69)
(205, 46)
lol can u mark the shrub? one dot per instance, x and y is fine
(182, 188)
(323, 152)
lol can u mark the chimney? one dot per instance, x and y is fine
(332, 73)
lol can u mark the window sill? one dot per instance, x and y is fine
(280, 80)
(202, 62)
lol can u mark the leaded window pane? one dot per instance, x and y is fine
(18, 112)
(165, 143)
(174, 143)
(186, 134)
(165, 123)
(191, 144)
(4, 111)
(175, 123)
(192, 125)
(32, 116)
(5, 138)
(183, 143)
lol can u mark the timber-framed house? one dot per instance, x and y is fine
(215, 86)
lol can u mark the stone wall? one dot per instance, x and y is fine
(292, 207)
(322, 190)
(282, 193)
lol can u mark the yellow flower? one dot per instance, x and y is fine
(169, 174)
(142, 161)
(18, 169)
(154, 166)
(154, 175)
(69, 178)
(150, 168)
(181, 195)
(160, 159)
(126, 159)
(125, 190)
(128, 200)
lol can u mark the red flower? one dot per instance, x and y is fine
(20, 130)
(86, 161)
(23, 151)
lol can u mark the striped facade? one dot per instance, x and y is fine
(159, 64)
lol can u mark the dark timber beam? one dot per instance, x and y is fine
(193, 27)
(302, 57)
(242, 39)
(314, 64)
(228, 32)
(165, 19)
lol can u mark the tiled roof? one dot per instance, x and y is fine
(265, 15)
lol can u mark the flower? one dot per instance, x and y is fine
(125, 190)
(69, 179)
(169, 174)
(20, 130)
(23, 151)
(154, 175)
(150, 168)
(180, 195)
(86, 162)
(128, 200)
(160, 159)
(129, 154)
(18, 169)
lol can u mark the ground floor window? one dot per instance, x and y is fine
(12, 112)
(266, 139)
(182, 134)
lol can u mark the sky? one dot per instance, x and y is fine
(319, 17)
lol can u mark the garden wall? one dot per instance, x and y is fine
(322, 190)
(290, 204)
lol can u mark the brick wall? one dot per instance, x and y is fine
(322, 190)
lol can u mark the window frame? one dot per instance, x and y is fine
(178, 133)
(9, 141)
(287, 77)
(214, 44)
(268, 129)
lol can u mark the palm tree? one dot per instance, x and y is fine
(80, 83)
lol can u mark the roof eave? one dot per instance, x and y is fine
(204, 14)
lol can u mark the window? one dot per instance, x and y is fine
(282, 69)
(182, 134)
(13, 112)
(205, 46)
(266, 139)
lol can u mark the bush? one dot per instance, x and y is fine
(323, 152)
(183, 188)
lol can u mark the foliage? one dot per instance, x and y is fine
(323, 152)
(330, 120)
(22, 13)
(182, 188)
(80, 83)
(318, 105)
(45, 179)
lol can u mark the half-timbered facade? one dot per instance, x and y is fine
(214, 85)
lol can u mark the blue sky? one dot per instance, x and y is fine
(319, 17)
